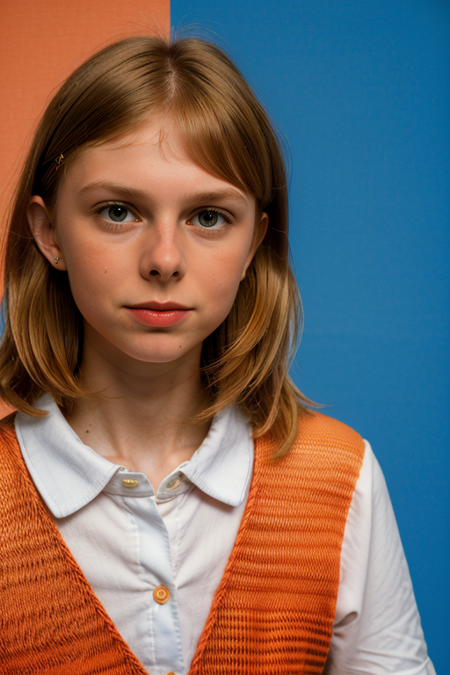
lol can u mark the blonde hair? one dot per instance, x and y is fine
(246, 359)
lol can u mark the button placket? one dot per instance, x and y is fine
(164, 646)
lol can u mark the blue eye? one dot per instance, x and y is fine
(208, 218)
(117, 213)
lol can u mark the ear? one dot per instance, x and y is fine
(44, 232)
(258, 235)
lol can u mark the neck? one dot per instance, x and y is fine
(143, 417)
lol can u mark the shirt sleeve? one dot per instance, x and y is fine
(377, 627)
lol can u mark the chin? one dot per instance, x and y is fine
(166, 353)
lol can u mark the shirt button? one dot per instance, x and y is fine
(174, 483)
(161, 594)
(130, 482)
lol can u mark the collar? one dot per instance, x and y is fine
(69, 474)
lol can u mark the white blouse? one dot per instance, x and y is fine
(155, 561)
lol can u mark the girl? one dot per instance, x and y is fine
(170, 502)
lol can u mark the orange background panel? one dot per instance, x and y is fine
(42, 43)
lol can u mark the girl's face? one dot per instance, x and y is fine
(155, 247)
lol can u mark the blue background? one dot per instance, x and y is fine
(361, 89)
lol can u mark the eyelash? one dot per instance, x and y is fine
(110, 224)
(211, 231)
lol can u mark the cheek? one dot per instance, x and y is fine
(93, 273)
(220, 277)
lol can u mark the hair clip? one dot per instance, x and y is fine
(59, 160)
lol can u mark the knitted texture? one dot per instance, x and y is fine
(273, 611)
(50, 620)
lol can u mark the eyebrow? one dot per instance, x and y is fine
(217, 196)
(202, 197)
(112, 187)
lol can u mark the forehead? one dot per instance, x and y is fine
(155, 140)
(152, 155)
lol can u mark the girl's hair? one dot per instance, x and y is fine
(227, 133)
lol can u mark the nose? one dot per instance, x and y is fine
(162, 255)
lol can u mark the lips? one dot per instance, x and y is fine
(159, 314)
(159, 306)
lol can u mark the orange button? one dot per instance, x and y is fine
(161, 594)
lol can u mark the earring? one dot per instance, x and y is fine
(56, 261)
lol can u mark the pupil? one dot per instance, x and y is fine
(208, 218)
(117, 213)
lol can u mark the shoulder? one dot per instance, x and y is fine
(314, 483)
(327, 428)
(325, 452)
(327, 434)
(320, 435)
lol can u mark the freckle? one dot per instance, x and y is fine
(87, 431)
(105, 270)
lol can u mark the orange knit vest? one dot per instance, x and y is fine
(273, 611)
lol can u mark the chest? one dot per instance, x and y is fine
(182, 544)
(273, 609)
